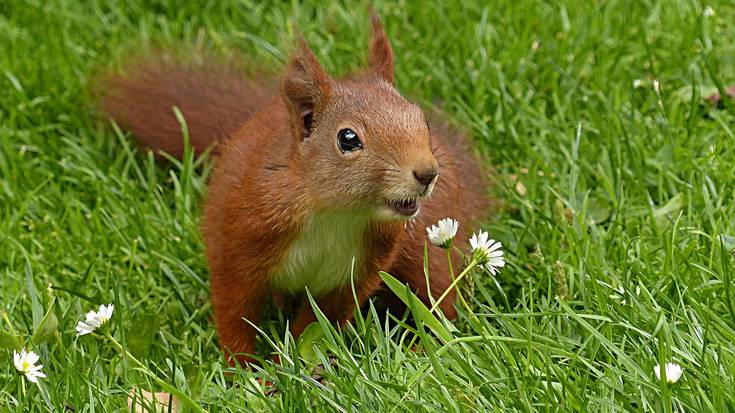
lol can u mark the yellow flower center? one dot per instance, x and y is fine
(25, 365)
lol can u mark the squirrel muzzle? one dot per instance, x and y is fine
(417, 181)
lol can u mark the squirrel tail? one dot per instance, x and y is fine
(214, 98)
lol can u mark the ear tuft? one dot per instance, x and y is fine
(381, 53)
(305, 87)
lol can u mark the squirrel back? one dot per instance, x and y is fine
(214, 97)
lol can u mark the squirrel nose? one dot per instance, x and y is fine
(425, 176)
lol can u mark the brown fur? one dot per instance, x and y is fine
(274, 174)
(214, 98)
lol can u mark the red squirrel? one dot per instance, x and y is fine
(308, 179)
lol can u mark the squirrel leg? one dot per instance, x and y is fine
(338, 306)
(335, 306)
(235, 302)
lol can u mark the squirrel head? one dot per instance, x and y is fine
(361, 145)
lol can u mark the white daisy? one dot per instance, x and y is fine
(25, 362)
(487, 251)
(656, 86)
(708, 12)
(95, 319)
(673, 372)
(443, 233)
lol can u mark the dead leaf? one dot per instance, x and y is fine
(145, 401)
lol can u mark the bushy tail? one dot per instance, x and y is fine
(215, 99)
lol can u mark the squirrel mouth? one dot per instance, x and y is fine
(406, 207)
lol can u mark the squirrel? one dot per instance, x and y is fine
(319, 184)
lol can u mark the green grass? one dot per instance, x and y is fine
(604, 186)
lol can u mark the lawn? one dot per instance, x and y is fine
(616, 179)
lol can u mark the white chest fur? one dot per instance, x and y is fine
(321, 256)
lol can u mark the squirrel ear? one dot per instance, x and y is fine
(381, 54)
(305, 87)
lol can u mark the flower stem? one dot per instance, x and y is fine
(459, 293)
(461, 275)
(183, 397)
(449, 261)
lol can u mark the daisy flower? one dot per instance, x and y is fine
(443, 232)
(25, 362)
(95, 319)
(672, 371)
(488, 252)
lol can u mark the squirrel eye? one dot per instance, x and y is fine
(348, 141)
